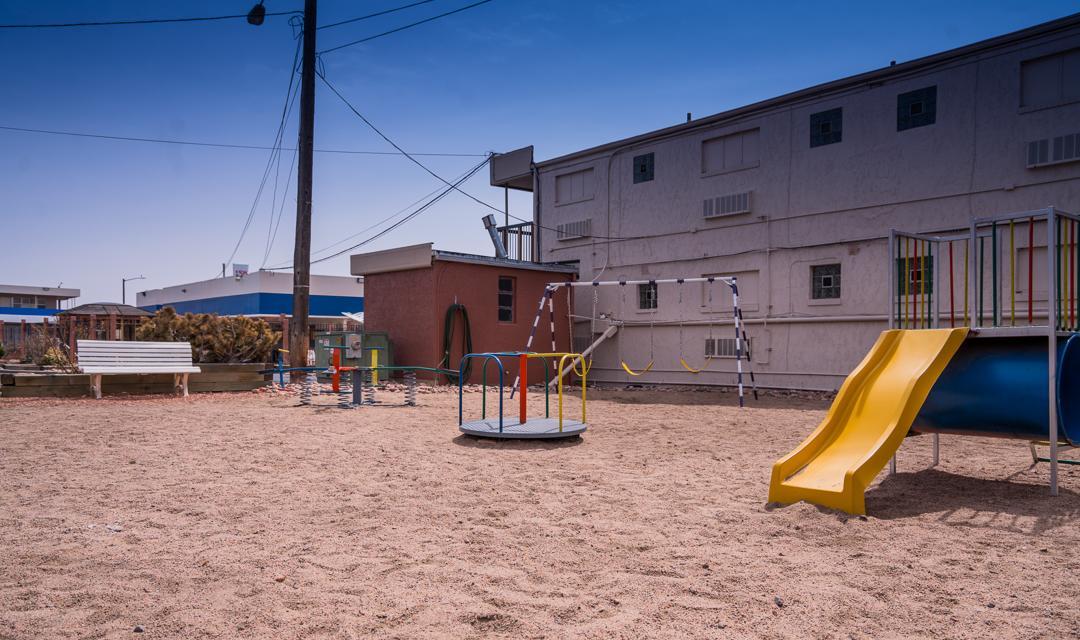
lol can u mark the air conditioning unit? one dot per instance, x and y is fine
(729, 205)
(575, 229)
(1049, 151)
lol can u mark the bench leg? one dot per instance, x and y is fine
(95, 385)
(185, 383)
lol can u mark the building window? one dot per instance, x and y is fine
(825, 281)
(647, 296)
(574, 187)
(506, 299)
(1050, 80)
(643, 167)
(915, 276)
(726, 348)
(731, 152)
(26, 302)
(826, 127)
(916, 108)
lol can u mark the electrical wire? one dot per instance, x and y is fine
(402, 28)
(286, 109)
(440, 178)
(281, 209)
(427, 205)
(374, 15)
(110, 23)
(225, 145)
(386, 219)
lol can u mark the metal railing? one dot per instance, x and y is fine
(518, 240)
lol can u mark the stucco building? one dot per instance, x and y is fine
(796, 196)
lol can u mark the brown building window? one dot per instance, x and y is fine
(506, 299)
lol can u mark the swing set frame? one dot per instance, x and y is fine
(740, 331)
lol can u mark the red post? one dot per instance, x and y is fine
(523, 373)
(111, 327)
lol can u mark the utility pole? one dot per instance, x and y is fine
(298, 327)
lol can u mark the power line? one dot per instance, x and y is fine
(110, 23)
(427, 205)
(374, 15)
(223, 145)
(388, 218)
(286, 109)
(408, 26)
(440, 178)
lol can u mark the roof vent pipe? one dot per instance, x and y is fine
(493, 231)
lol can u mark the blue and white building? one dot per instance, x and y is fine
(22, 305)
(265, 294)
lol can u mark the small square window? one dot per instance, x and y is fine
(916, 108)
(826, 127)
(920, 275)
(506, 299)
(825, 281)
(643, 168)
(647, 296)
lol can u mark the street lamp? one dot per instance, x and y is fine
(257, 14)
(123, 287)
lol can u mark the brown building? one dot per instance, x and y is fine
(409, 291)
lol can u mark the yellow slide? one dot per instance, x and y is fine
(867, 422)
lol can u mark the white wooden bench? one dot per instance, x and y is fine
(110, 357)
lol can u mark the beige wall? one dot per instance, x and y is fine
(832, 203)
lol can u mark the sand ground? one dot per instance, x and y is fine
(242, 515)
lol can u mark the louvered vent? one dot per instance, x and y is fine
(1053, 150)
(575, 229)
(729, 205)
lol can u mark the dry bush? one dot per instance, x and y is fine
(213, 338)
(44, 348)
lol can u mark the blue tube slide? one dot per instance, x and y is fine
(998, 387)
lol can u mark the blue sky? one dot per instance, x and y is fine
(559, 74)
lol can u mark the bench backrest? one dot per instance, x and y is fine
(134, 356)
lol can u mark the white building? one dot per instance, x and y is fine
(22, 305)
(266, 294)
(796, 196)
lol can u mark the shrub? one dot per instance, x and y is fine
(45, 349)
(213, 338)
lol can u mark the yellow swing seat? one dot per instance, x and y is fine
(627, 368)
(686, 366)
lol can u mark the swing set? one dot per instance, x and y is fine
(741, 343)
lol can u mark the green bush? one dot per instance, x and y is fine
(213, 338)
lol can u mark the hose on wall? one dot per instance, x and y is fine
(448, 340)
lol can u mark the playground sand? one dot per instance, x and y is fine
(241, 515)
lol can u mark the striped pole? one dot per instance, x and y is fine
(738, 342)
(551, 310)
(532, 334)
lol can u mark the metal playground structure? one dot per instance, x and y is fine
(523, 427)
(741, 342)
(1016, 374)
